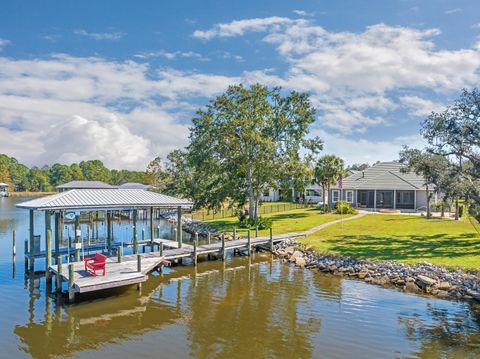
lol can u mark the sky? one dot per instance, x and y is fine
(120, 81)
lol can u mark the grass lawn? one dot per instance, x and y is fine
(296, 220)
(407, 239)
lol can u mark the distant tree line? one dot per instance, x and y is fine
(46, 178)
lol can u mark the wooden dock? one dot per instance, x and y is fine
(134, 269)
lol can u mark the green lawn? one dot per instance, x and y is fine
(407, 239)
(291, 221)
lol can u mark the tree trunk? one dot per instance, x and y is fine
(251, 200)
(428, 202)
(457, 208)
(443, 209)
(324, 195)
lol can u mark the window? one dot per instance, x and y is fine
(313, 193)
(335, 196)
(266, 193)
(349, 195)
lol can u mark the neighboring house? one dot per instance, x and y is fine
(313, 194)
(4, 189)
(84, 185)
(134, 185)
(382, 186)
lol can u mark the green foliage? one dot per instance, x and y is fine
(328, 170)
(344, 208)
(47, 178)
(246, 140)
(452, 143)
(325, 209)
(260, 222)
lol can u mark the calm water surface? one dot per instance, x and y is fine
(257, 308)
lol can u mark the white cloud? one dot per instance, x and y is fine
(361, 150)
(3, 43)
(300, 12)
(112, 36)
(239, 27)
(476, 26)
(454, 11)
(172, 55)
(420, 107)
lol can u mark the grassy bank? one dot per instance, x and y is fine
(290, 221)
(30, 194)
(407, 239)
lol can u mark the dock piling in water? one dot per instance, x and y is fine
(224, 251)
(71, 288)
(48, 257)
(271, 239)
(119, 254)
(14, 245)
(59, 274)
(249, 243)
(195, 244)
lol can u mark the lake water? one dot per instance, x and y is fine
(243, 308)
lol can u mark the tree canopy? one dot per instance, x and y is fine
(328, 170)
(245, 141)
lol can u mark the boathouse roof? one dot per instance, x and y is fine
(86, 185)
(134, 185)
(96, 199)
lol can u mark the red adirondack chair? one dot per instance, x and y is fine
(93, 264)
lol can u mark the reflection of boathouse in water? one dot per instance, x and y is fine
(4, 189)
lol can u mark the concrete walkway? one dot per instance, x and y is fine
(322, 226)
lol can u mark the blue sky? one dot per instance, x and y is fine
(120, 80)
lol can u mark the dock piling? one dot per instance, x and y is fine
(224, 252)
(271, 240)
(234, 233)
(14, 245)
(249, 243)
(119, 254)
(77, 238)
(139, 263)
(256, 231)
(58, 284)
(195, 244)
(160, 249)
(71, 289)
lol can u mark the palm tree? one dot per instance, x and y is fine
(328, 170)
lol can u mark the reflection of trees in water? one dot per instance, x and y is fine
(251, 315)
(449, 333)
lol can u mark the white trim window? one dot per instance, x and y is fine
(335, 196)
(349, 196)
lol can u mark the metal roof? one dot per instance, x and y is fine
(383, 175)
(80, 199)
(134, 185)
(86, 185)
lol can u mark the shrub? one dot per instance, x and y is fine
(325, 208)
(261, 222)
(344, 208)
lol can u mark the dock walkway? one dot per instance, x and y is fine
(126, 272)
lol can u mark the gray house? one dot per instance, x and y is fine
(382, 186)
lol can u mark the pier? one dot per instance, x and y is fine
(134, 269)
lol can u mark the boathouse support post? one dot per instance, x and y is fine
(77, 238)
(31, 248)
(58, 285)
(195, 245)
(271, 240)
(143, 240)
(48, 258)
(160, 249)
(71, 289)
(109, 232)
(249, 243)
(179, 226)
(58, 231)
(152, 234)
(135, 239)
(25, 251)
(224, 252)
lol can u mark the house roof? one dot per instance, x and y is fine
(2, 184)
(80, 199)
(134, 185)
(383, 175)
(85, 185)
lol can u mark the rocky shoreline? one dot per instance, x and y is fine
(190, 225)
(423, 278)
